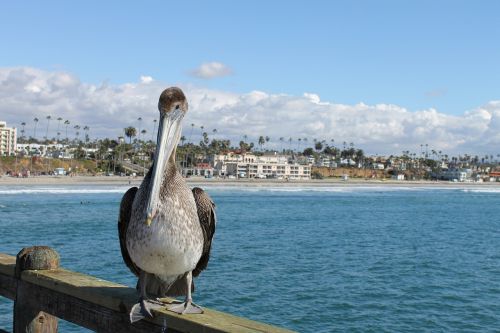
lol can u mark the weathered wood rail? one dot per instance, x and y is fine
(43, 292)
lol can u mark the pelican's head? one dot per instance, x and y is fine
(172, 100)
(172, 106)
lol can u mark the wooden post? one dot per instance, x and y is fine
(28, 317)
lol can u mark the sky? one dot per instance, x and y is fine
(387, 76)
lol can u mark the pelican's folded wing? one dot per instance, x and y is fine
(206, 215)
(124, 219)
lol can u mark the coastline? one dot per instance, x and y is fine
(198, 181)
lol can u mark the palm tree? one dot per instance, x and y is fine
(154, 129)
(87, 139)
(261, 141)
(22, 130)
(290, 144)
(282, 139)
(140, 131)
(47, 131)
(299, 140)
(318, 146)
(58, 127)
(34, 131)
(66, 122)
(191, 133)
(130, 132)
(267, 139)
(77, 133)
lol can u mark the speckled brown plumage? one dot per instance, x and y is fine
(182, 230)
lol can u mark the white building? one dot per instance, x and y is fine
(326, 162)
(56, 150)
(398, 176)
(347, 161)
(460, 175)
(8, 139)
(252, 166)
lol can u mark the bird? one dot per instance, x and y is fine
(165, 228)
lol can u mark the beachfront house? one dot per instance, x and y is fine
(456, 174)
(398, 176)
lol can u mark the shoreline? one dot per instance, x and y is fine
(198, 181)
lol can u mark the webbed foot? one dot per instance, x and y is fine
(143, 309)
(187, 307)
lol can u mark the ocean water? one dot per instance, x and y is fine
(334, 259)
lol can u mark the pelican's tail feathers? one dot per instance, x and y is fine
(180, 287)
(171, 287)
(156, 286)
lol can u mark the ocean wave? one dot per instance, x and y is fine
(298, 189)
(63, 190)
(481, 190)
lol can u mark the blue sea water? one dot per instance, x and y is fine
(334, 259)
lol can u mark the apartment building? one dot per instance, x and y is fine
(8, 139)
(267, 166)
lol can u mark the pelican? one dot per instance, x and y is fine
(165, 228)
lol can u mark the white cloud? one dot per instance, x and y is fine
(146, 79)
(26, 93)
(210, 70)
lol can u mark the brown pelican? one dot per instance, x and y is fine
(165, 228)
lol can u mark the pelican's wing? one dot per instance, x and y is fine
(125, 213)
(206, 215)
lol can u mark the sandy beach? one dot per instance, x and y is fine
(198, 181)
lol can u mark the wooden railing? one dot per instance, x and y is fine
(43, 292)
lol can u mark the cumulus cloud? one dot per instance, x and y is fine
(146, 79)
(210, 70)
(26, 93)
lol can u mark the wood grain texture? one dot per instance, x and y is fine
(28, 314)
(103, 306)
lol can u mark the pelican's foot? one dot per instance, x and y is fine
(186, 308)
(143, 309)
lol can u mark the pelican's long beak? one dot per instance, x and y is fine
(169, 131)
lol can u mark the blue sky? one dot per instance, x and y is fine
(418, 55)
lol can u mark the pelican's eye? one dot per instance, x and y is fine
(177, 107)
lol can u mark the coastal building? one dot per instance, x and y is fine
(8, 139)
(55, 150)
(201, 169)
(265, 166)
(326, 162)
(494, 176)
(398, 176)
(347, 162)
(458, 175)
(378, 166)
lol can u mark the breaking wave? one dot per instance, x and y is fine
(63, 190)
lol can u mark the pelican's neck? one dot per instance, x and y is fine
(164, 168)
(169, 168)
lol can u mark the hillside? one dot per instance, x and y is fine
(43, 165)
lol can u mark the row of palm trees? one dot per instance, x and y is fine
(212, 145)
(46, 138)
